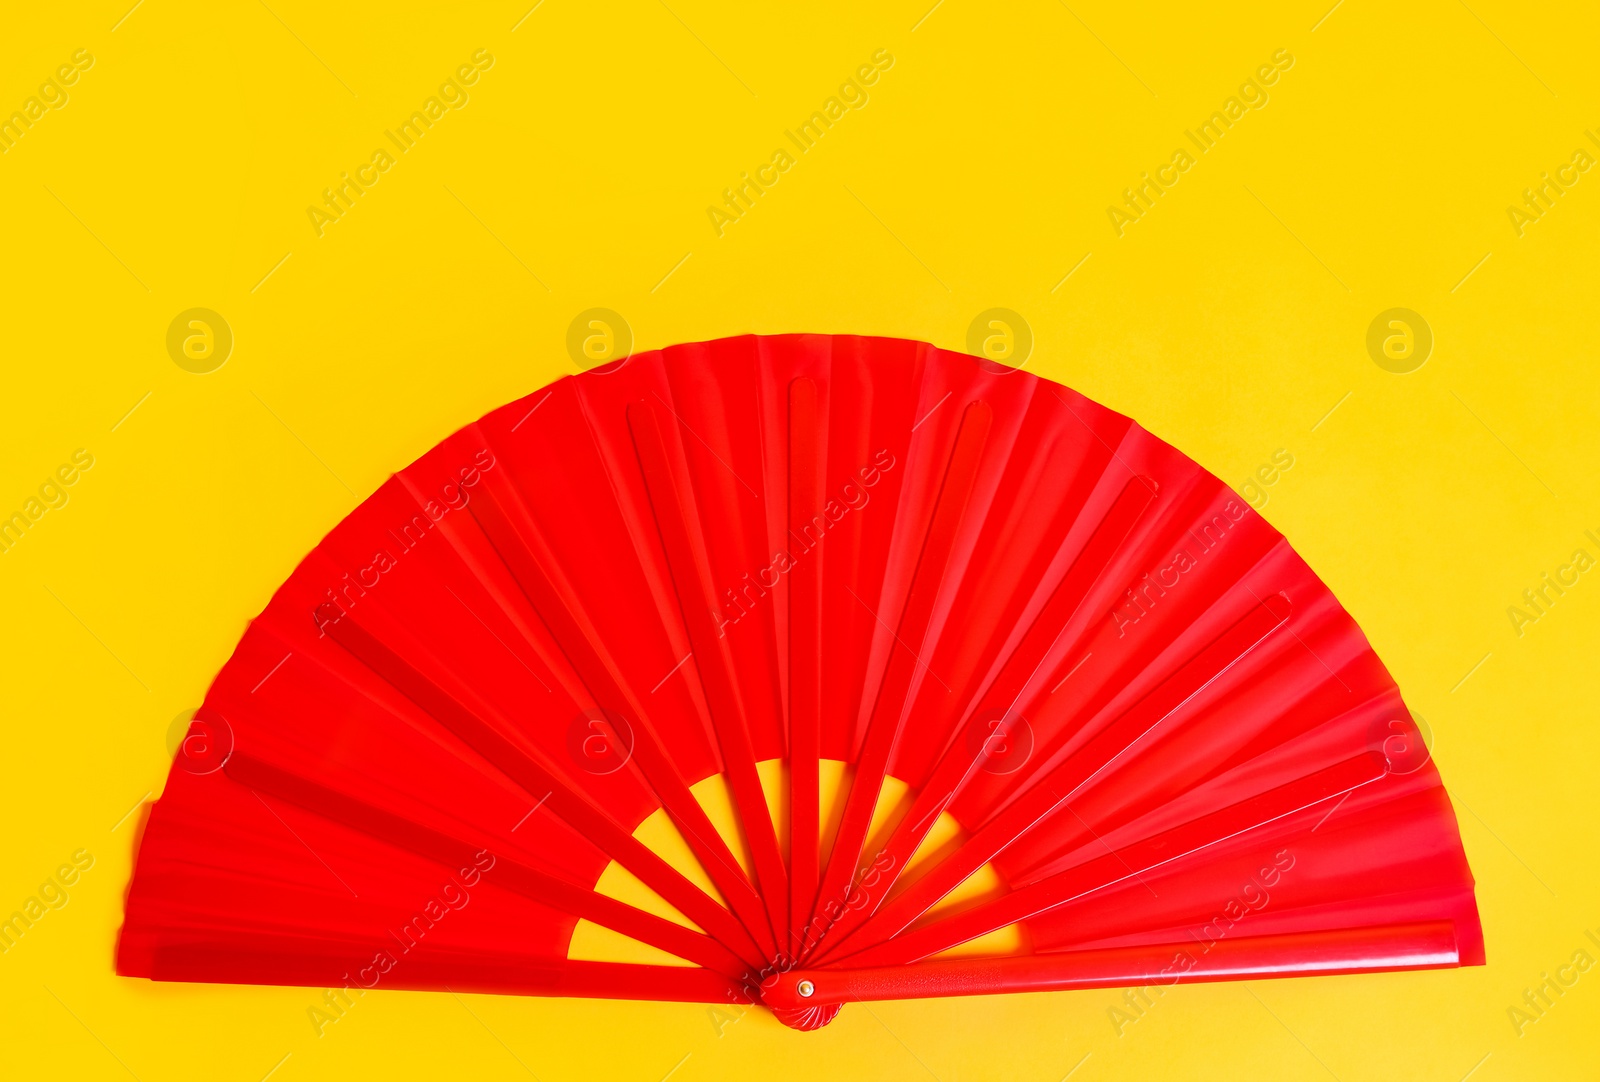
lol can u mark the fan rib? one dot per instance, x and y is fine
(597, 676)
(1059, 786)
(805, 661)
(672, 508)
(564, 802)
(962, 758)
(883, 728)
(1126, 863)
(453, 853)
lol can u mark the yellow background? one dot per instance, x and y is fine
(1229, 321)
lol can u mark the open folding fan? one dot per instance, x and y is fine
(799, 670)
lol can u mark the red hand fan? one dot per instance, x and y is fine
(808, 669)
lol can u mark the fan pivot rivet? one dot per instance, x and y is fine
(805, 988)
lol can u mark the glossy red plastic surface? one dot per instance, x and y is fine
(1141, 709)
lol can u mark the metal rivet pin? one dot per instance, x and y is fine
(805, 988)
